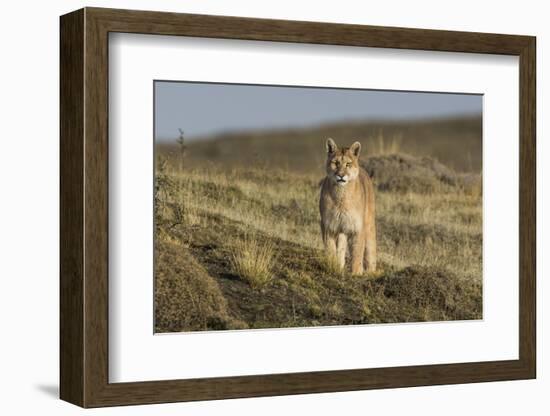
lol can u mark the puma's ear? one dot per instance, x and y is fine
(355, 149)
(331, 146)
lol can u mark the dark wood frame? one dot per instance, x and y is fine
(84, 209)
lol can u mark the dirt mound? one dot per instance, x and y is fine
(405, 173)
(419, 293)
(186, 297)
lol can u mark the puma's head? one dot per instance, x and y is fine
(342, 164)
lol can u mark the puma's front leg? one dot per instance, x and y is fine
(330, 248)
(370, 248)
(341, 249)
(357, 253)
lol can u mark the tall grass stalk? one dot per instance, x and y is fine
(384, 145)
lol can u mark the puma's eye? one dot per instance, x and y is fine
(348, 165)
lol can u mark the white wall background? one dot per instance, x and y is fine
(29, 224)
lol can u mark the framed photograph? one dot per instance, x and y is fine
(257, 207)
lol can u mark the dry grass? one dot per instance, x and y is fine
(381, 144)
(241, 248)
(437, 228)
(253, 260)
(330, 264)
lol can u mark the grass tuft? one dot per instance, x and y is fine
(253, 259)
(330, 264)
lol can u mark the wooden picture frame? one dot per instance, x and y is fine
(84, 207)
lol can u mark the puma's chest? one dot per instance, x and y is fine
(338, 220)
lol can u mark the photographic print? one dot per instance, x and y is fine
(295, 206)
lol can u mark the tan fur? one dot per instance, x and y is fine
(347, 209)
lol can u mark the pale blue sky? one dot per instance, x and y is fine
(205, 109)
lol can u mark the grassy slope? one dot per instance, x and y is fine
(425, 238)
